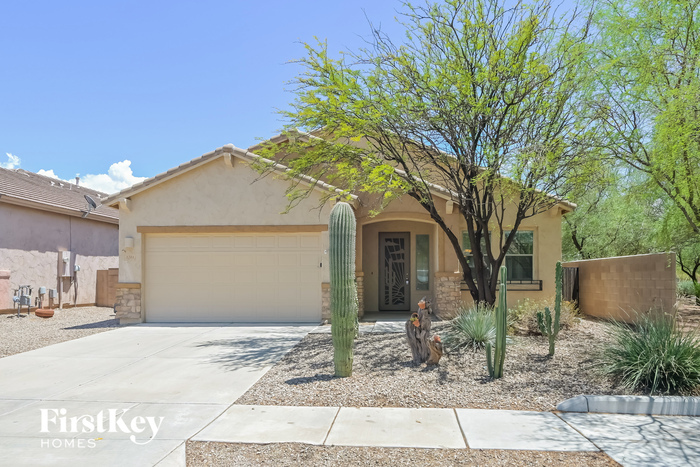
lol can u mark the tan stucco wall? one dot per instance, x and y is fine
(546, 228)
(619, 288)
(30, 242)
(406, 215)
(213, 194)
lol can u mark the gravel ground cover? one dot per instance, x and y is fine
(24, 333)
(288, 454)
(383, 375)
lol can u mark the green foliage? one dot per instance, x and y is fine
(548, 327)
(685, 288)
(524, 315)
(648, 93)
(341, 232)
(478, 98)
(472, 328)
(495, 363)
(676, 234)
(655, 356)
(609, 218)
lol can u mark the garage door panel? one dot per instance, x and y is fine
(233, 278)
(289, 259)
(170, 244)
(289, 241)
(310, 241)
(222, 259)
(288, 277)
(244, 241)
(222, 243)
(266, 260)
(201, 243)
(244, 260)
(265, 241)
(309, 260)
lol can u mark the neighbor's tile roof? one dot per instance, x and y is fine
(21, 187)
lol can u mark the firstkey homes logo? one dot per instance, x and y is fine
(82, 431)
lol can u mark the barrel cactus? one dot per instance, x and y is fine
(341, 231)
(495, 364)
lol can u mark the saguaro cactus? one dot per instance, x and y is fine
(341, 231)
(544, 322)
(495, 365)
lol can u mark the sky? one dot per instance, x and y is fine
(119, 91)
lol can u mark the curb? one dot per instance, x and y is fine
(633, 405)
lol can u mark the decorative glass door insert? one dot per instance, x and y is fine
(394, 270)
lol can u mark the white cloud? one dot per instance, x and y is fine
(12, 162)
(49, 173)
(118, 177)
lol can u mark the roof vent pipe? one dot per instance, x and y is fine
(77, 181)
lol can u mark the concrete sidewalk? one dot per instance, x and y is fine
(629, 439)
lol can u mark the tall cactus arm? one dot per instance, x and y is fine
(342, 228)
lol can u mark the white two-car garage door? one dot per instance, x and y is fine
(233, 277)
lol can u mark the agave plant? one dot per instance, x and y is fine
(472, 328)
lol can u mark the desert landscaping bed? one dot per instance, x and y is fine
(383, 375)
(288, 454)
(24, 333)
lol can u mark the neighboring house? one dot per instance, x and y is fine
(206, 241)
(44, 235)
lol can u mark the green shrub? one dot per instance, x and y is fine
(685, 288)
(472, 328)
(655, 355)
(523, 317)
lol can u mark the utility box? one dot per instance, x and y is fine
(65, 265)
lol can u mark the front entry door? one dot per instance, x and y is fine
(394, 271)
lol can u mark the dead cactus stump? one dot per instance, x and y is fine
(423, 347)
(435, 346)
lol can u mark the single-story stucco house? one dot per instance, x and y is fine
(206, 242)
(45, 236)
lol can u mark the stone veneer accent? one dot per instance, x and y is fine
(448, 292)
(127, 305)
(326, 297)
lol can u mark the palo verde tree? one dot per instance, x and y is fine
(478, 102)
(618, 215)
(647, 59)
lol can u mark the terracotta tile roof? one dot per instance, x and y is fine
(21, 187)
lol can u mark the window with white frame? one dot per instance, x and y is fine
(520, 256)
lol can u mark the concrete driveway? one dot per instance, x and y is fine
(99, 400)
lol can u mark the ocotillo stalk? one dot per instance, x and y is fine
(341, 232)
(495, 367)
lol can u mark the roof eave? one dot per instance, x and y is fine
(246, 155)
(24, 202)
